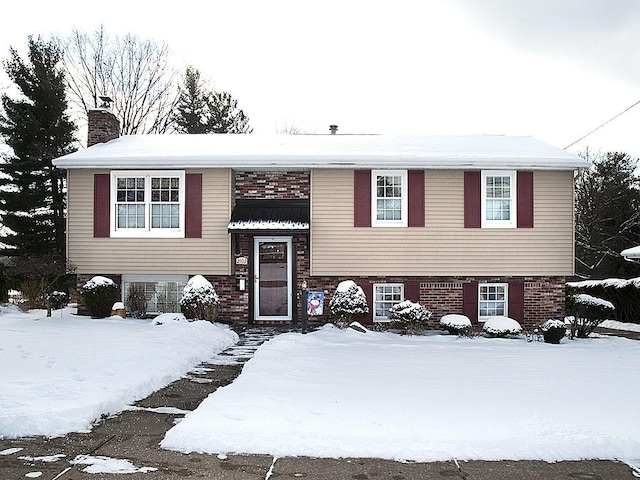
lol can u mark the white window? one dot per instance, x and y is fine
(386, 295)
(498, 199)
(389, 198)
(492, 300)
(147, 203)
(162, 292)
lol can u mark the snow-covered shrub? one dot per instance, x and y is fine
(164, 318)
(553, 331)
(99, 295)
(456, 324)
(409, 317)
(586, 313)
(348, 304)
(137, 301)
(200, 300)
(58, 300)
(500, 326)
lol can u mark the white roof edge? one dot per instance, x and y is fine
(633, 252)
(322, 151)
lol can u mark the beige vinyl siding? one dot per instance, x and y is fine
(443, 247)
(209, 255)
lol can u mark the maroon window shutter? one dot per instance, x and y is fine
(367, 288)
(416, 198)
(470, 300)
(472, 192)
(516, 301)
(193, 205)
(525, 199)
(362, 198)
(412, 291)
(101, 205)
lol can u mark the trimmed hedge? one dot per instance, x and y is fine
(623, 294)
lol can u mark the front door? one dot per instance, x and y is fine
(273, 296)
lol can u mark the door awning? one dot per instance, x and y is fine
(252, 214)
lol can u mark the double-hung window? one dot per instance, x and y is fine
(389, 198)
(498, 199)
(385, 296)
(492, 300)
(147, 203)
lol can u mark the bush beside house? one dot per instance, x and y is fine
(200, 300)
(409, 317)
(349, 303)
(99, 295)
(586, 312)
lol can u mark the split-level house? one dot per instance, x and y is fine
(476, 225)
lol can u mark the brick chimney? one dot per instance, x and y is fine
(103, 124)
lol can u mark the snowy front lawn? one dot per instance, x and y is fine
(340, 393)
(60, 374)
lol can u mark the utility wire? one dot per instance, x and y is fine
(602, 125)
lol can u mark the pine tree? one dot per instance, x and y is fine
(226, 117)
(200, 110)
(37, 129)
(191, 115)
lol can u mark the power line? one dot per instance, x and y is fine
(602, 125)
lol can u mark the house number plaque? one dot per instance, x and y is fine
(242, 261)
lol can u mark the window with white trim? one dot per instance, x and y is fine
(147, 203)
(498, 199)
(162, 292)
(385, 296)
(492, 300)
(389, 198)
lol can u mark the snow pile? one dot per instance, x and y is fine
(615, 325)
(60, 374)
(338, 393)
(101, 464)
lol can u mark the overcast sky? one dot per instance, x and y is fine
(553, 69)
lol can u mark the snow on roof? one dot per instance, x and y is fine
(631, 253)
(267, 225)
(265, 152)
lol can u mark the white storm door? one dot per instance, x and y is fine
(272, 290)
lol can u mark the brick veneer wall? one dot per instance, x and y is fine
(544, 297)
(103, 126)
(272, 185)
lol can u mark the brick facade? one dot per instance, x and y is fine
(103, 126)
(272, 185)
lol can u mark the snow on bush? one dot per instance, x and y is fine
(456, 324)
(199, 299)
(500, 326)
(349, 303)
(99, 295)
(409, 316)
(168, 317)
(550, 324)
(586, 313)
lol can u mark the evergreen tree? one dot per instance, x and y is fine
(225, 116)
(200, 110)
(37, 129)
(191, 115)
(607, 216)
